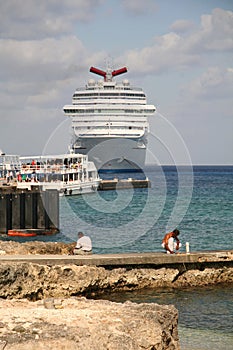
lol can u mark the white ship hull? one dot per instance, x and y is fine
(114, 154)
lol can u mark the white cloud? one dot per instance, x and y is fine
(168, 53)
(32, 19)
(214, 83)
(215, 33)
(33, 70)
(35, 59)
(173, 51)
(203, 115)
(182, 26)
(139, 7)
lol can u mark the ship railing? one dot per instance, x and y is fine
(117, 86)
(75, 168)
(106, 133)
(49, 177)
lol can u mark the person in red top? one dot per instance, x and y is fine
(171, 242)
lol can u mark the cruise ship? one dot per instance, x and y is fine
(109, 121)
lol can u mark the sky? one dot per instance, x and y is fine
(179, 51)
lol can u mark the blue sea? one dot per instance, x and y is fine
(198, 201)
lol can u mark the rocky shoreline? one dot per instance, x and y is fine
(45, 281)
(35, 247)
(35, 282)
(78, 323)
(44, 307)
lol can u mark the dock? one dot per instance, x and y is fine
(129, 260)
(22, 211)
(106, 185)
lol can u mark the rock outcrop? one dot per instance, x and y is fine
(78, 323)
(36, 247)
(33, 281)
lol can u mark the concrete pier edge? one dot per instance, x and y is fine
(133, 260)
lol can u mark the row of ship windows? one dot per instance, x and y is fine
(112, 127)
(91, 95)
(85, 111)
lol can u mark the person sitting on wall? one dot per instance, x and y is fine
(171, 242)
(83, 245)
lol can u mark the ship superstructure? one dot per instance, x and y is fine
(109, 122)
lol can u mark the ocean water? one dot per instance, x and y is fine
(199, 202)
(205, 314)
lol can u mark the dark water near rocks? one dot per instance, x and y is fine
(205, 314)
(199, 201)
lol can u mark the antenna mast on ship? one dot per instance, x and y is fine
(109, 74)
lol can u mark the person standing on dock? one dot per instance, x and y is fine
(83, 245)
(171, 242)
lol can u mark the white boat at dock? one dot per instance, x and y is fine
(70, 174)
(9, 165)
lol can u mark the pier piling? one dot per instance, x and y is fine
(23, 210)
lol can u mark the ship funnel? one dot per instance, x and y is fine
(106, 75)
(119, 71)
(98, 71)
